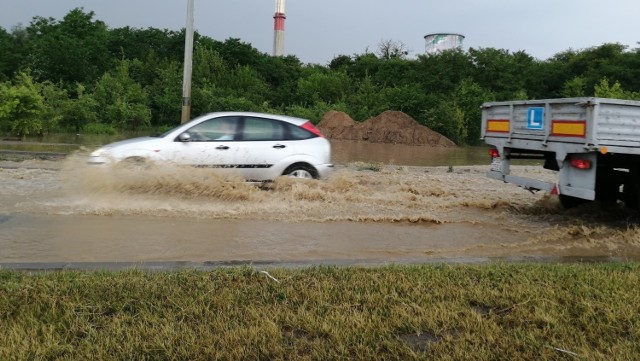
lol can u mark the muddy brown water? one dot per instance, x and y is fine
(383, 204)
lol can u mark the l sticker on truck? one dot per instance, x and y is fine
(535, 118)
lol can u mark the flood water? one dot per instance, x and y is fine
(65, 211)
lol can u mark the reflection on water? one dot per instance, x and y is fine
(342, 151)
(350, 151)
(141, 239)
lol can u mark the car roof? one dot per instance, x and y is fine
(286, 118)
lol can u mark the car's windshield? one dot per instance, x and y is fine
(162, 135)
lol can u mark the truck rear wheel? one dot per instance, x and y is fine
(631, 195)
(568, 202)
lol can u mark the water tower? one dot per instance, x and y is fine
(439, 42)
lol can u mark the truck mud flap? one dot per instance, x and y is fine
(538, 185)
(528, 183)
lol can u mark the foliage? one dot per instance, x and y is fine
(327, 87)
(98, 129)
(122, 101)
(83, 72)
(21, 106)
(447, 118)
(72, 50)
(391, 49)
(605, 90)
(366, 101)
(468, 95)
(575, 87)
(80, 111)
(314, 112)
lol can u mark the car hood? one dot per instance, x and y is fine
(134, 142)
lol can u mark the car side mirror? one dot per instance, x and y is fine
(184, 137)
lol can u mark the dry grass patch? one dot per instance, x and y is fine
(485, 312)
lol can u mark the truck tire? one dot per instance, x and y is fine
(569, 202)
(631, 195)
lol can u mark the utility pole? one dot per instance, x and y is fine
(188, 65)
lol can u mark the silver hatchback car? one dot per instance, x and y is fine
(259, 147)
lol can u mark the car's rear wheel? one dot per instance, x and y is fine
(301, 171)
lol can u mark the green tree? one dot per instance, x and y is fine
(147, 44)
(70, 51)
(282, 75)
(441, 73)
(408, 99)
(314, 112)
(615, 91)
(56, 101)
(80, 112)
(244, 81)
(575, 87)
(121, 101)
(165, 94)
(324, 86)
(208, 67)
(5, 48)
(500, 71)
(341, 62)
(448, 119)
(392, 49)
(367, 101)
(13, 52)
(469, 96)
(21, 106)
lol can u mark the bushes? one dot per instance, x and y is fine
(87, 75)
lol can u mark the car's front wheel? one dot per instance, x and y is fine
(301, 171)
(136, 163)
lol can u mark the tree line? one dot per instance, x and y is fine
(78, 75)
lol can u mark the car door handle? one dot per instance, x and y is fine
(222, 147)
(279, 146)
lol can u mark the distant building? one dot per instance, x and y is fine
(436, 43)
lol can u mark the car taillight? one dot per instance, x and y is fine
(581, 163)
(310, 127)
(493, 153)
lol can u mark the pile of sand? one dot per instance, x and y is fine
(392, 127)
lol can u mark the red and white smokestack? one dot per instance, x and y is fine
(278, 29)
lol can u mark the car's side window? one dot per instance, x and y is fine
(216, 129)
(257, 129)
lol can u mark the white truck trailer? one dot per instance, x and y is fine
(593, 143)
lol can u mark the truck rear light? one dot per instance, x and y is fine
(310, 127)
(493, 153)
(580, 163)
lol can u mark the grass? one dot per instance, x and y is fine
(373, 167)
(426, 312)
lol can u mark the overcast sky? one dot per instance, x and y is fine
(317, 31)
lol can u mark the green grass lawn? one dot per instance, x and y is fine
(443, 312)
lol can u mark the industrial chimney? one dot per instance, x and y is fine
(278, 29)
